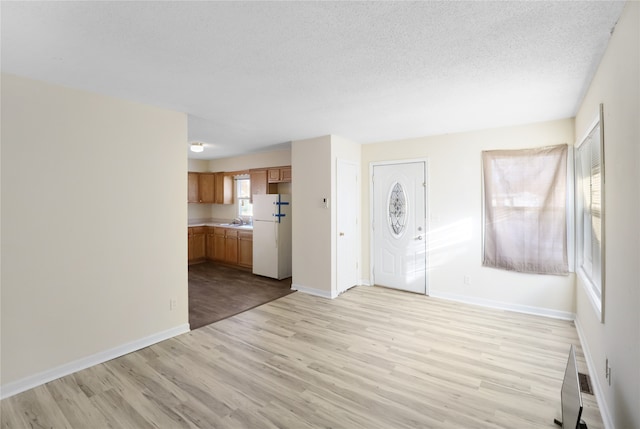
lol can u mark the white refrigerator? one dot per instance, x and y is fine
(272, 235)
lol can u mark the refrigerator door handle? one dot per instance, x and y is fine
(276, 230)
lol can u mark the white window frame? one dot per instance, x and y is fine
(593, 285)
(240, 200)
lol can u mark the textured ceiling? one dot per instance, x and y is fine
(256, 75)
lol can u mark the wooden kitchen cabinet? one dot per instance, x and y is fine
(192, 193)
(273, 175)
(210, 188)
(279, 174)
(217, 188)
(285, 174)
(259, 182)
(228, 245)
(210, 243)
(196, 239)
(223, 189)
(245, 249)
(231, 246)
(218, 244)
(206, 188)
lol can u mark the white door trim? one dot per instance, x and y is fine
(372, 243)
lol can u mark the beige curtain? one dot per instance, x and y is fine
(525, 227)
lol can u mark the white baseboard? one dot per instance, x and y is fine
(595, 381)
(538, 311)
(43, 377)
(313, 291)
(364, 282)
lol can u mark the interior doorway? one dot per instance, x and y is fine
(347, 205)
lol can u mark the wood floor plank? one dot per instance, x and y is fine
(372, 358)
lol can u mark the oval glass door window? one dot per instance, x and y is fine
(397, 209)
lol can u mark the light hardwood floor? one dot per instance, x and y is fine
(372, 358)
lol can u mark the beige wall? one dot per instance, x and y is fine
(93, 225)
(455, 223)
(617, 86)
(274, 158)
(198, 165)
(314, 165)
(311, 222)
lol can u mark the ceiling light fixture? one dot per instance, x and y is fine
(197, 147)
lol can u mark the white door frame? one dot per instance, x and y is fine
(372, 244)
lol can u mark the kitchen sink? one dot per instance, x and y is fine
(237, 225)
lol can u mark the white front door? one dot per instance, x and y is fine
(347, 225)
(399, 222)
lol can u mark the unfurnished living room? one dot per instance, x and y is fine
(381, 214)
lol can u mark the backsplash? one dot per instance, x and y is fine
(199, 211)
(223, 211)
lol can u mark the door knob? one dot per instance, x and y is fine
(419, 237)
(341, 234)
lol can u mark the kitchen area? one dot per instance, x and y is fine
(239, 240)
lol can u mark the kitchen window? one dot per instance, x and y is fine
(243, 197)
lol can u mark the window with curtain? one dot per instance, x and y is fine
(589, 211)
(525, 210)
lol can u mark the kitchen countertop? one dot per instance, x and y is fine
(218, 222)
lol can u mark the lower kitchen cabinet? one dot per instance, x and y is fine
(231, 247)
(245, 249)
(197, 241)
(228, 245)
(218, 244)
(210, 243)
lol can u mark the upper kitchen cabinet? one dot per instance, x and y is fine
(265, 180)
(224, 189)
(279, 175)
(258, 182)
(210, 188)
(285, 174)
(206, 188)
(192, 194)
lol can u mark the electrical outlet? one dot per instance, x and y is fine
(467, 279)
(172, 304)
